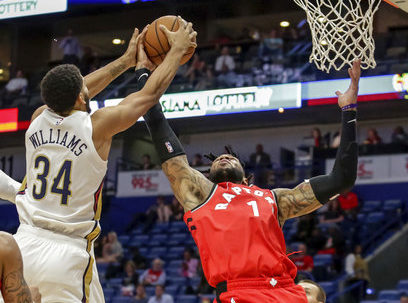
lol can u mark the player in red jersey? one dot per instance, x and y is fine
(237, 227)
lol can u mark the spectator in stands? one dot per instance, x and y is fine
(15, 87)
(197, 161)
(140, 296)
(198, 74)
(335, 245)
(148, 218)
(317, 241)
(224, 67)
(357, 270)
(399, 136)
(160, 296)
(190, 264)
(112, 250)
(349, 203)
(88, 60)
(71, 48)
(302, 260)
(404, 298)
(372, 137)
(130, 279)
(138, 259)
(260, 162)
(271, 46)
(154, 275)
(334, 213)
(314, 292)
(98, 247)
(163, 210)
(147, 162)
(317, 138)
(177, 210)
(305, 227)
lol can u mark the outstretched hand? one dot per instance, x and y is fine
(183, 38)
(350, 96)
(143, 60)
(130, 55)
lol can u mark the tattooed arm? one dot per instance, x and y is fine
(295, 202)
(190, 187)
(14, 288)
(99, 79)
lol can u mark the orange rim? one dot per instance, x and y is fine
(391, 3)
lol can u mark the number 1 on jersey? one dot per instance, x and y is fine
(254, 208)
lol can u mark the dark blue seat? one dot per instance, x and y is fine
(150, 290)
(389, 295)
(122, 300)
(177, 239)
(180, 281)
(114, 282)
(324, 259)
(124, 239)
(374, 220)
(177, 226)
(329, 287)
(392, 205)
(157, 240)
(403, 285)
(172, 290)
(139, 240)
(158, 252)
(187, 299)
(371, 206)
(109, 293)
(177, 250)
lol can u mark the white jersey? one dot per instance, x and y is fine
(62, 189)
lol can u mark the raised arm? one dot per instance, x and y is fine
(99, 79)
(312, 194)
(112, 120)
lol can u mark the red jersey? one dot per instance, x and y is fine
(303, 262)
(348, 201)
(238, 234)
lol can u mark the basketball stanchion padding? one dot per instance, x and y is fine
(342, 31)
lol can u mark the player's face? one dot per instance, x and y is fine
(311, 292)
(226, 168)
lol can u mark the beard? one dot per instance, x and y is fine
(220, 175)
(88, 108)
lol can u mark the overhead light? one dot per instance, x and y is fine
(281, 110)
(1, 71)
(118, 41)
(284, 24)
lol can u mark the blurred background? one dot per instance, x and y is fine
(250, 85)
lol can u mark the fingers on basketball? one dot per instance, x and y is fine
(156, 42)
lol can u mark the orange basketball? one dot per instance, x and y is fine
(156, 44)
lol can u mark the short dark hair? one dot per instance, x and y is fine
(321, 295)
(61, 87)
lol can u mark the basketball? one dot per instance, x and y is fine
(156, 44)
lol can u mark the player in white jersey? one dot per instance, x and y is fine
(59, 203)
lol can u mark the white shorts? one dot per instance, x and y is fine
(59, 265)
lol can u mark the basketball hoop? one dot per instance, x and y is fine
(342, 31)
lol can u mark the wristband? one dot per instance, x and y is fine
(142, 75)
(349, 106)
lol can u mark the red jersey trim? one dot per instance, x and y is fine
(212, 192)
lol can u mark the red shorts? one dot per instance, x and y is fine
(263, 290)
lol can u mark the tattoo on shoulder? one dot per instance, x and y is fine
(15, 288)
(190, 186)
(296, 202)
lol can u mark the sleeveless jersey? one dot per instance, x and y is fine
(63, 184)
(238, 234)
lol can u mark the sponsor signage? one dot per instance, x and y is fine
(379, 169)
(8, 120)
(225, 101)
(142, 183)
(376, 88)
(23, 8)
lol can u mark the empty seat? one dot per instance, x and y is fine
(392, 205)
(187, 299)
(122, 300)
(158, 252)
(329, 287)
(172, 290)
(403, 285)
(325, 259)
(371, 206)
(180, 281)
(375, 218)
(124, 239)
(177, 239)
(177, 250)
(157, 240)
(139, 240)
(389, 295)
(108, 293)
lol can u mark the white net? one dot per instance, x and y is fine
(342, 31)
